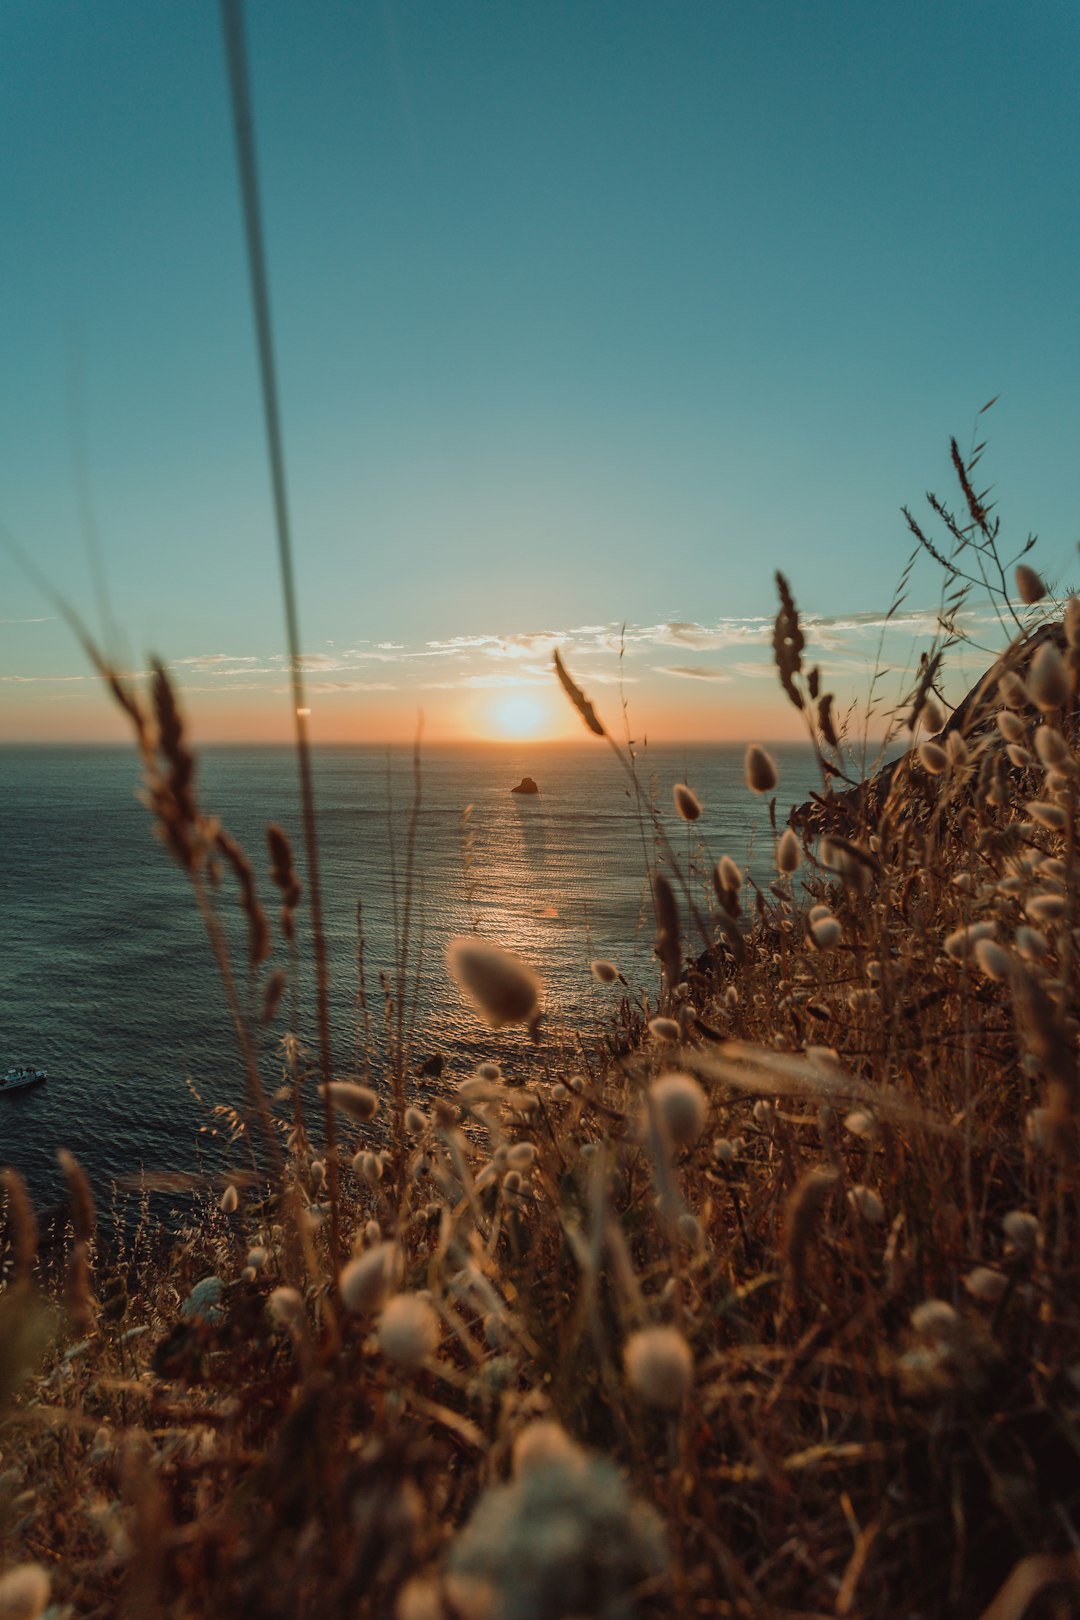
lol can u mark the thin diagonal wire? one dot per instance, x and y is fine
(232, 18)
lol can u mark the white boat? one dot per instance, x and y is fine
(22, 1075)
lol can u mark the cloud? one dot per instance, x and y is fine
(36, 680)
(46, 618)
(694, 672)
(216, 660)
(316, 687)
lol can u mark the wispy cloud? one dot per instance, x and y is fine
(38, 680)
(46, 618)
(694, 672)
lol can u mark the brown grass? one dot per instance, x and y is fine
(866, 1398)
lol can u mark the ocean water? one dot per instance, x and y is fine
(106, 976)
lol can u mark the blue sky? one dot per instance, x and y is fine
(587, 314)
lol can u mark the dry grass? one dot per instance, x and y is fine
(765, 1304)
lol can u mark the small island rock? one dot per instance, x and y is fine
(526, 785)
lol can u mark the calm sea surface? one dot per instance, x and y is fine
(106, 977)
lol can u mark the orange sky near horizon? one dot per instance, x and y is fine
(506, 716)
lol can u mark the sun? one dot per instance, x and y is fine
(520, 716)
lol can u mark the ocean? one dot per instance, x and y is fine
(106, 976)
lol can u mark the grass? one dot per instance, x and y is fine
(764, 1302)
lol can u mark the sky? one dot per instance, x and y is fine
(589, 315)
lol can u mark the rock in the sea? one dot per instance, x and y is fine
(526, 785)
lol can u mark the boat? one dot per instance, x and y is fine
(21, 1076)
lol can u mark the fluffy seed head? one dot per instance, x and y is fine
(1021, 1229)
(230, 1200)
(935, 1319)
(729, 873)
(865, 1202)
(545, 1444)
(365, 1281)
(687, 803)
(992, 960)
(932, 717)
(1048, 679)
(1050, 816)
(861, 1123)
(788, 852)
(1046, 907)
(682, 1106)
(1052, 749)
(1012, 691)
(1031, 945)
(1011, 726)
(664, 1029)
(827, 932)
(606, 972)
(963, 940)
(985, 1284)
(24, 1592)
(285, 1307)
(659, 1366)
(932, 758)
(761, 772)
(408, 1330)
(419, 1599)
(416, 1121)
(1029, 586)
(359, 1102)
(502, 987)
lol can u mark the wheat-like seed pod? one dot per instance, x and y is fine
(687, 803)
(83, 1217)
(788, 852)
(1048, 680)
(23, 1223)
(1029, 585)
(761, 772)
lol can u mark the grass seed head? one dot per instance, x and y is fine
(24, 1592)
(659, 1367)
(1012, 691)
(359, 1102)
(604, 972)
(866, 1203)
(936, 1319)
(986, 1285)
(1021, 1230)
(687, 803)
(788, 852)
(502, 987)
(285, 1307)
(365, 1281)
(408, 1331)
(1029, 585)
(761, 772)
(1011, 726)
(682, 1106)
(992, 960)
(827, 932)
(545, 1444)
(1048, 680)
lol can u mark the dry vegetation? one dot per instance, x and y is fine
(765, 1303)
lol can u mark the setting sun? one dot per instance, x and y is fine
(521, 715)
